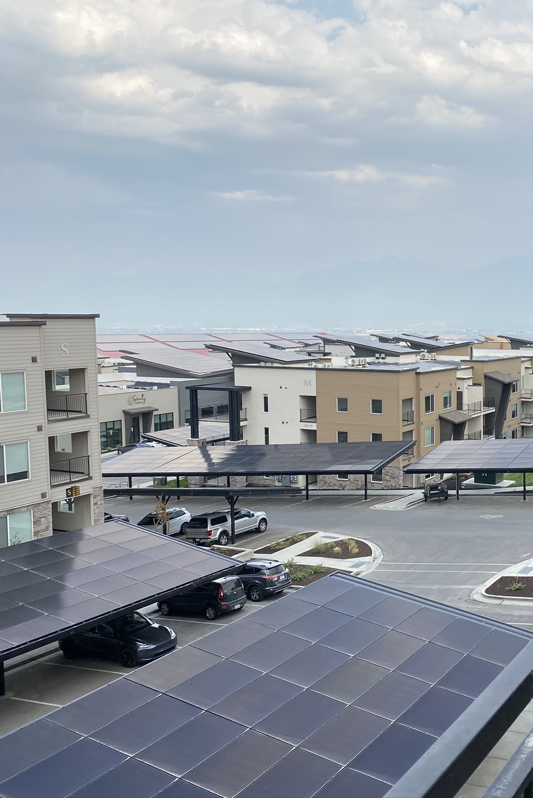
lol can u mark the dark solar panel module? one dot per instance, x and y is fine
(506, 454)
(305, 700)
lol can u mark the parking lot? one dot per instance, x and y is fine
(440, 551)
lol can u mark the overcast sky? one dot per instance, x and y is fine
(227, 138)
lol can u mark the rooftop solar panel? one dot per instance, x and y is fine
(489, 455)
(310, 458)
(73, 579)
(215, 719)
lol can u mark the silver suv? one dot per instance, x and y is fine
(215, 527)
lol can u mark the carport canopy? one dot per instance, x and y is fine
(62, 584)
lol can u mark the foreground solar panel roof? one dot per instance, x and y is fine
(209, 430)
(297, 458)
(65, 582)
(345, 689)
(505, 454)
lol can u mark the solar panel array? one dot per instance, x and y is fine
(179, 360)
(210, 430)
(54, 584)
(297, 458)
(262, 351)
(336, 691)
(505, 454)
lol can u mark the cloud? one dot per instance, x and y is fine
(439, 113)
(250, 195)
(366, 173)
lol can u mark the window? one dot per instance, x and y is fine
(342, 437)
(377, 477)
(343, 475)
(265, 403)
(163, 421)
(267, 435)
(376, 406)
(342, 405)
(63, 443)
(376, 436)
(429, 403)
(222, 410)
(207, 412)
(514, 386)
(514, 433)
(429, 436)
(66, 506)
(16, 528)
(514, 411)
(447, 400)
(61, 381)
(110, 435)
(14, 462)
(12, 392)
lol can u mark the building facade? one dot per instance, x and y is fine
(50, 470)
(127, 412)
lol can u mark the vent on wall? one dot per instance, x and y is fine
(34, 359)
(39, 427)
(44, 495)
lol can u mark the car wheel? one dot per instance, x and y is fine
(70, 650)
(262, 525)
(211, 612)
(255, 593)
(223, 539)
(165, 608)
(128, 658)
(183, 528)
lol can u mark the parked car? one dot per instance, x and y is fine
(215, 527)
(213, 599)
(115, 517)
(262, 577)
(176, 525)
(131, 639)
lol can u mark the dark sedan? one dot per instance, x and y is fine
(132, 640)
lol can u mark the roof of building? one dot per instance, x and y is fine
(181, 361)
(499, 376)
(368, 342)
(520, 339)
(53, 315)
(68, 581)
(298, 458)
(260, 353)
(455, 416)
(345, 688)
(210, 431)
(504, 454)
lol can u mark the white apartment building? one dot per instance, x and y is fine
(127, 411)
(50, 470)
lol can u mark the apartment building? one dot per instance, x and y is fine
(127, 411)
(50, 471)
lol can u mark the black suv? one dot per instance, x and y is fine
(262, 577)
(223, 595)
(132, 639)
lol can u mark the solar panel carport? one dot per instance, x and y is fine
(58, 585)
(344, 689)
(289, 459)
(495, 455)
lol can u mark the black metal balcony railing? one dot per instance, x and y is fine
(478, 407)
(307, 414)
(408, 417)
(71, 470)
(66, 406)
(527, 418)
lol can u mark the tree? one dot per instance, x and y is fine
(162, 513)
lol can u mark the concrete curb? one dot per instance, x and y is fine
(480, 595)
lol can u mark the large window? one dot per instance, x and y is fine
(429, 436)
(267, 435)
(14, 462)
(16, 528)
(342, 405)
(61, 381)
(342, 437)
(163, 421)
(447, 400)
(63, 443)
(265, 403)
(12, 392)
(376, 436)
(429, 403)
(514, 386)
(376, 406)
(110, 435)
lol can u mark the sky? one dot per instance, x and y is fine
(203, 149)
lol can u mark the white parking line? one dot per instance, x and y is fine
(31, 701)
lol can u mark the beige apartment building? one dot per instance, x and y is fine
(127, 412)
(50, 471)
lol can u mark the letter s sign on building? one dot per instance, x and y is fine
(64, 350)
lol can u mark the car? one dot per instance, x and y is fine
(212, 599)
(215, 527)
(176, 524)
(115, 517)
(131, 639)
(262, 577)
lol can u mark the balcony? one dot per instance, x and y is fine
(527, 418)
(243, 414)
(308, 414)
(408, 417)
(473, 436)
(476, 408)
(69, 405)
(527, 395)
(64, 471)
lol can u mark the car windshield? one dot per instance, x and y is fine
(133, 622)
